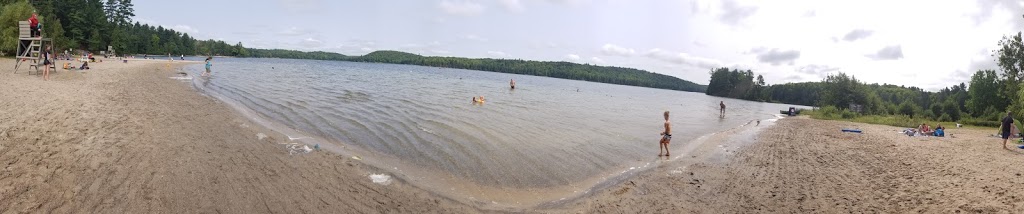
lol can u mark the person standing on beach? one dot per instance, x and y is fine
(1007, 128)
(208, 65)
(721, 109)
(666, 137)
(46, 63)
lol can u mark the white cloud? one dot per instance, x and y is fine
(310, 43)
(733, 13)
(888, 53)
(615, 50)
(857, 34)
(498, 54)
(597, 60)
(683, 58)
(461, 7)
(294, 31)
(512, 5)
(440, 51)
(573, 57)
(775, 56)
(474, 37)
(303, 6)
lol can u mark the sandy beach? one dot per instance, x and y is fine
(803, 165)
(128, 138)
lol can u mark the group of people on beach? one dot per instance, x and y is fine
(925, 130)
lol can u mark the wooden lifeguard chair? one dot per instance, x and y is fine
(30, 48)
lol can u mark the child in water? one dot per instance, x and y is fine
(208, 65)
(666, 136)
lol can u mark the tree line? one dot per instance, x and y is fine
(96, 24)
(564, 70)
(984, 100)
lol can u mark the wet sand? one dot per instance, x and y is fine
(802, 165)
(127, 138)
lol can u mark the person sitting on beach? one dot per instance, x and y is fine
(924, 129)
(939, 131)
(85, 66)
(666, 137)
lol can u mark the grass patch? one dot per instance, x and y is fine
(831, 113)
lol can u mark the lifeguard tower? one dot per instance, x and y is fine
(30, 48)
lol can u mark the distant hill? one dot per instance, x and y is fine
(564, 70)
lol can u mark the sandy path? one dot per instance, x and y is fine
(803, 165)
(125, 138)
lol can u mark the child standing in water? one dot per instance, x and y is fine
(208, 65)
(666, 136)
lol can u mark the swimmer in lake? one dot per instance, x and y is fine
(512, 83)
(666, 137)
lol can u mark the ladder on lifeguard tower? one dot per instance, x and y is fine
(30, 48)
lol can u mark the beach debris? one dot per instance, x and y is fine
(260, 136)
(852, 130)
(296, 148)
(676, 172)
(316, 147)
(381, 179)
(357, 158)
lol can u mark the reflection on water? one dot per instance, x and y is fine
(547, 132)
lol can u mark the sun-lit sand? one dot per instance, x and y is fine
(128, 138)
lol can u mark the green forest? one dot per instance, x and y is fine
(95, 24)
(982, 101)
(564, 70)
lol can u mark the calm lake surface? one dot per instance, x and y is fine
(546, 133)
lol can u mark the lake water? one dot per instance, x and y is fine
(420, 121)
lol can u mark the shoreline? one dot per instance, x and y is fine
(131, 138)
(460, 189)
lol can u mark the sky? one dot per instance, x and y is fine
(927, 44)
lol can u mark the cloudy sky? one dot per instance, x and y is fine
(929, 44)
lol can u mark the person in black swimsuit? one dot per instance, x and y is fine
(46, 63)
(666, 137)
